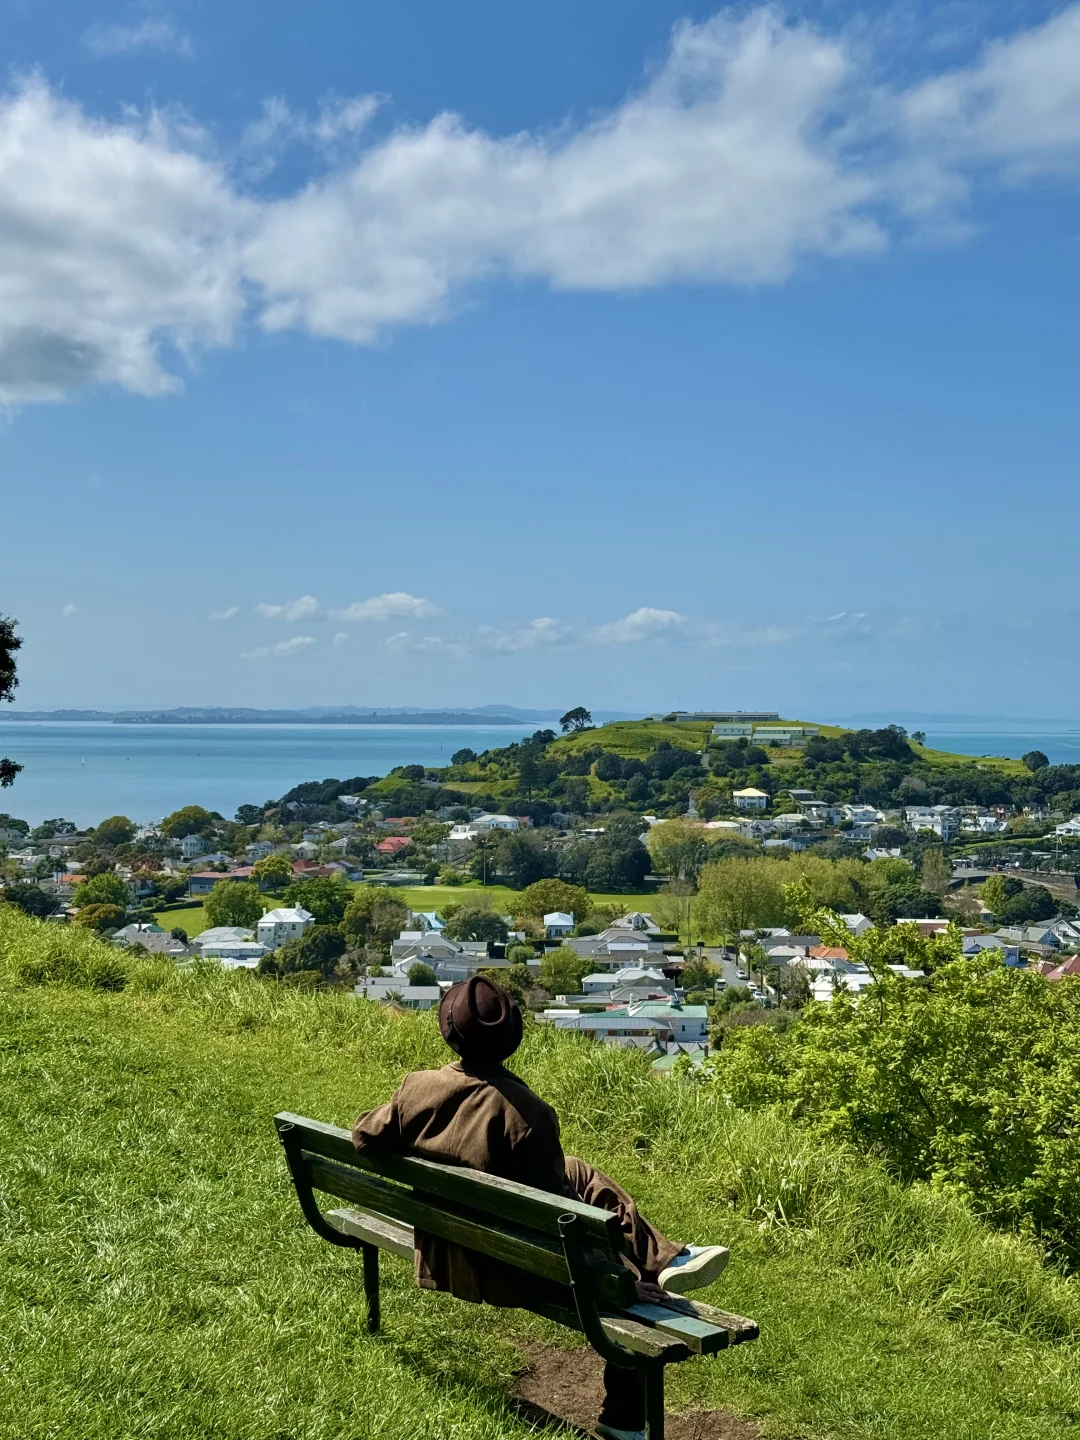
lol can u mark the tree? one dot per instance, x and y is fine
(272, 870)
(576, 719)
(179, 933)
(27, 898)
(464, 756)
(190, 820)
(563, 970)
(318, 949)
(477, 925)
(359, 922)
(101, 917)
(104, 889)
(699, 975)
(736, 895)
(235, 902)
(9, 643)
(936, 872)
(1035, 760)
(249, 815)
(326, 896)
(116, 830)
(421, 974)
(544, 896)
(522, 858)
(678, 848)
(919, 736)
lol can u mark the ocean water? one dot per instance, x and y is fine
(1061, 745)
(85, 772)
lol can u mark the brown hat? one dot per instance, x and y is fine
(480, 1020)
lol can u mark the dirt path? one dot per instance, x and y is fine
(565, 1387)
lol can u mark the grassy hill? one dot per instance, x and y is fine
(637, 739)
(157, 1280)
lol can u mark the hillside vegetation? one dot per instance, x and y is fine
(157, 1278)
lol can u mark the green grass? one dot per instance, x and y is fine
(417, 897)
(157, 1279)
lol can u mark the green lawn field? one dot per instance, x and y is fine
(157, 1280)
(417, 897)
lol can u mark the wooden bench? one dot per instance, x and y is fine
(576, 1246)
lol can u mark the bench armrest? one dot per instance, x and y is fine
(292, 1144)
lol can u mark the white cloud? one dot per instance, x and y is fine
(294, 646)
(759, 142)
(643, 624)
(387, 607)
(69, 610)
(114, 239)
(536, 635)
(406, 643)
(230, 613)
(342, 637)
(291, 610)
(1019, 103)
(103, 40)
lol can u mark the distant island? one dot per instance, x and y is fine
(315, 715)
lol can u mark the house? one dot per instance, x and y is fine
(870, 853)
(605, 982)
(1070, 827)
(221, 935)
(558, 924)
(393, 844)
(860, 814)
(485, 822)
(784, 735)
(305, 849)
(283, 924)
(615, 948)
(750, 799)
(153, 938)
(388, 990)
(927, 924)
(636, 920)
(942, 820)
(858, 924)
(978, 944)
(640, 1021)
(827, 955)
(259, 849)
(429, 921)
(235, 954)
(201, 882)
(193, 845)
(1067, 968)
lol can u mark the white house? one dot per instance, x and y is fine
(305, 849)
(283, 924)
(942, 820)
(1070, 827)
(558, 924)
(486, 822)
(388, 989)
(234, 954)
(784, 735)
(259, 849)
(750, 799)
(858, 924)
(193, 845)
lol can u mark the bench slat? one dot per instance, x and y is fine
(523, 1249)
(374, 1230)
(739, 1328)
(535, 1209)
(670, 1327)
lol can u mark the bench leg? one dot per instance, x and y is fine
(371, 1285)
(654, 1400)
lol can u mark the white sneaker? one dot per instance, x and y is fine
(697, 1266)
(608, 1432)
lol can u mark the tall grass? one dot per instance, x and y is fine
(156, 1277)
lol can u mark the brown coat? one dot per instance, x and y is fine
(482, 1117)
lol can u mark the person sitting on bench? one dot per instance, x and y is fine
(476, 1113)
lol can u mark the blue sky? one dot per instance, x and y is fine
(627, 354)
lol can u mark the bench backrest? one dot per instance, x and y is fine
(509, 1222)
